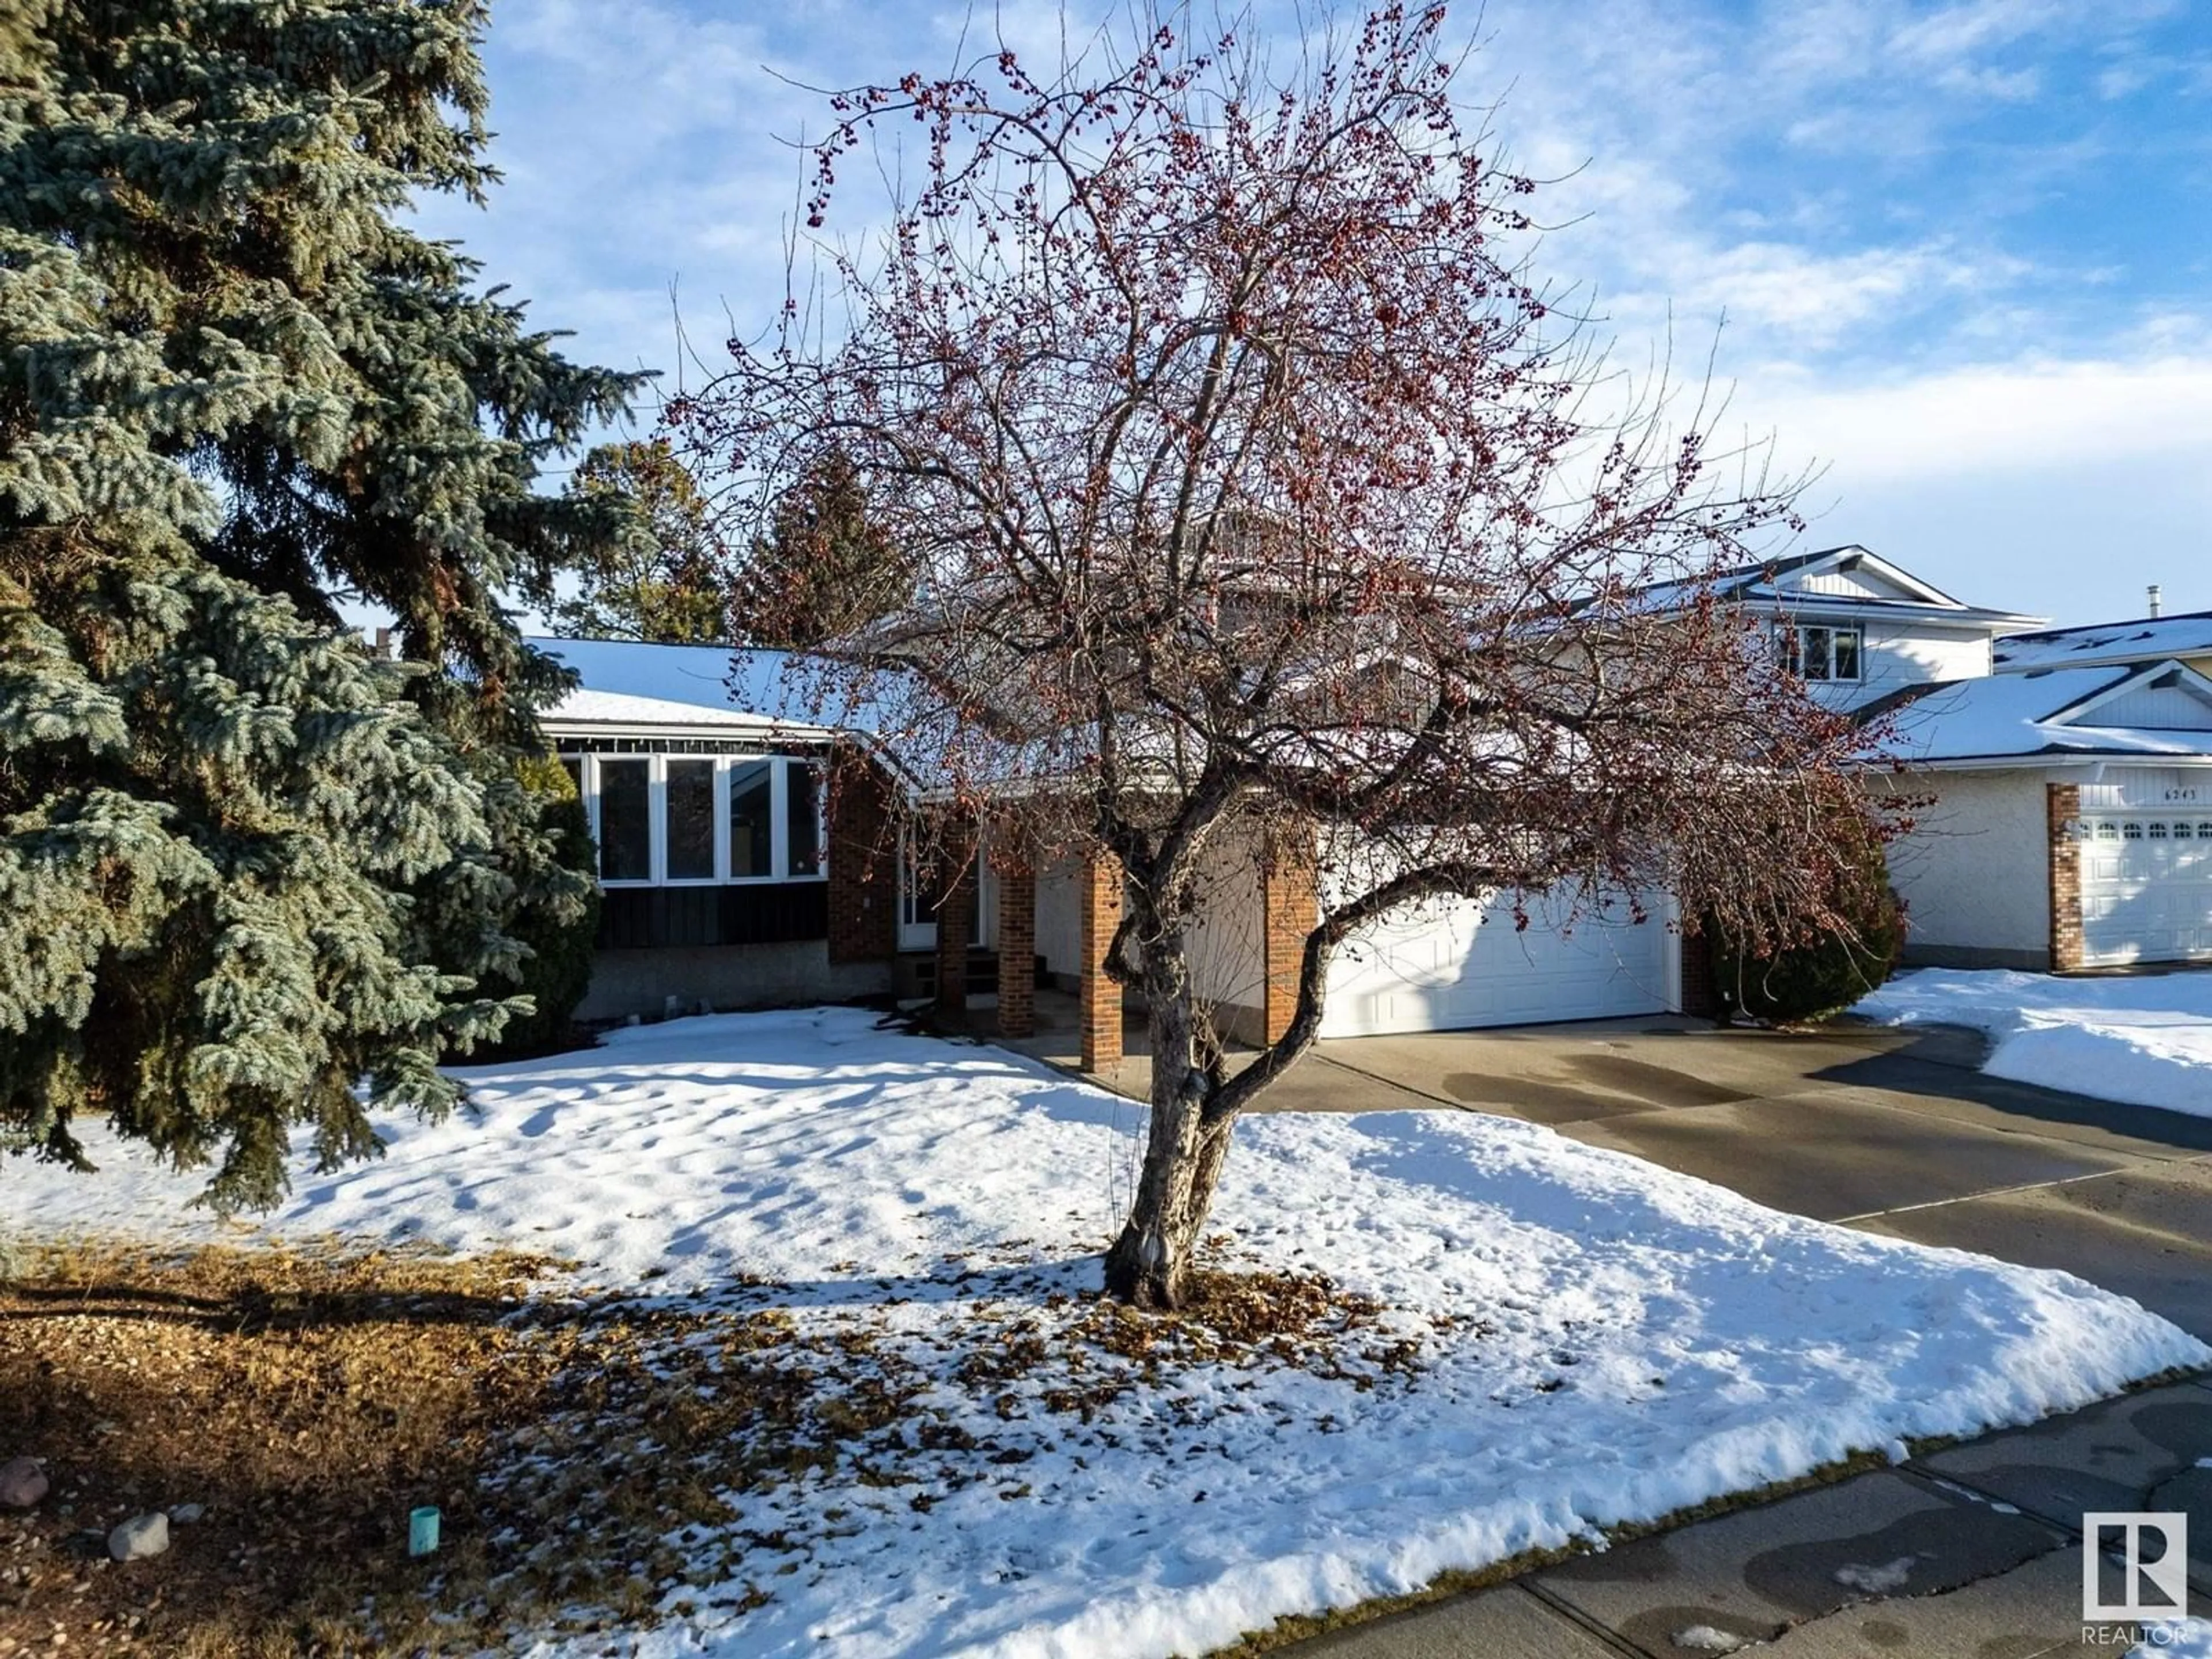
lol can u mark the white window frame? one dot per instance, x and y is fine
(1789, 646)
(657, 766)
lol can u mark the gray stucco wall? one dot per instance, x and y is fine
(722, 977)
(1975, 870)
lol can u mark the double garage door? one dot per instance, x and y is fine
(2147, 886)
(1454, 964)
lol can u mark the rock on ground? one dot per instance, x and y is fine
(22, 1483)
(141, 1536)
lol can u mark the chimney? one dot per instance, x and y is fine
(2155, 600)
(383, 634)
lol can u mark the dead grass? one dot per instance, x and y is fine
(309, 1398)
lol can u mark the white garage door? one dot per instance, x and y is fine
(2145, 887)
(1457, 964)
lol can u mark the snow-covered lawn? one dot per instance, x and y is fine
(2147, 1040)
(1544, 1339)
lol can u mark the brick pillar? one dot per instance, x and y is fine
(2062, 802)
(956, 920)
(862, 868)
(1701, 985)
(1100, 997)
(1290, 905)
(1016, 868)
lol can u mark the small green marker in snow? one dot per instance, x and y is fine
(423, 1531)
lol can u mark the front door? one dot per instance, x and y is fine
(918, 907)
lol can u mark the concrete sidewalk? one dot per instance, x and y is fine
(1973, 1550)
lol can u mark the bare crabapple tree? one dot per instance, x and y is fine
(1258, 496)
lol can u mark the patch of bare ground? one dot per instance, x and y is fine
(601, 1461)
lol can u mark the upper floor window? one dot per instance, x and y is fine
(702, 818)
(1815, 652)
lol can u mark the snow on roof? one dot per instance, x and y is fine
(2002, 715)
(616, 708)
(1762, 584)
(633, 682)
(2145, 639)
(790, 693)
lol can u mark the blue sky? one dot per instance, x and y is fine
(1963, 250)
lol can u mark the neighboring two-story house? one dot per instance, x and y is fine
(2059, 782)
(2069, 815)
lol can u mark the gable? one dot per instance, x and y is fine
(1852, 573)
(2166, 696)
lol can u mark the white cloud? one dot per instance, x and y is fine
(2027, 417)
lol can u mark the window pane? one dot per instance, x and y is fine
(1847, 653)
(690, 820)
(625, 821)
(750, 821)
(1816, 653)
(1786, 646)
(802, 833)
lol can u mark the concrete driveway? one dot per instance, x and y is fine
(1895, 1132)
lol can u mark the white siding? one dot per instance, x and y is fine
(1860, 584)
(1911, 654)
(1059, 916)
(2157, 708)
(1975, 871)
(1227, 946)
(2125, 788)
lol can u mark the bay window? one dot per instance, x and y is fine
(687, 819)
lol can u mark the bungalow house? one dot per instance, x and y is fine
(750, 852)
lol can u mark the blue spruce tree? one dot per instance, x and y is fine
(243, 865)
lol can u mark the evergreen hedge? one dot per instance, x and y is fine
(1822, 976)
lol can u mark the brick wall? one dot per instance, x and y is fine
(1015, 869)
(1290, 906)
(1098, 898)
(2062, 805)
(956, 920)
(1701, 986)
(863, 874)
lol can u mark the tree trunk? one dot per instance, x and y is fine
(1150, 1263)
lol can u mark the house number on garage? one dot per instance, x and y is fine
(2182, 795)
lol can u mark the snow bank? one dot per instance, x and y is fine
(1621, 1341)
(2145, 1041)
(2175, 1639)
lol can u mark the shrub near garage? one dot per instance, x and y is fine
(1819, 977)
